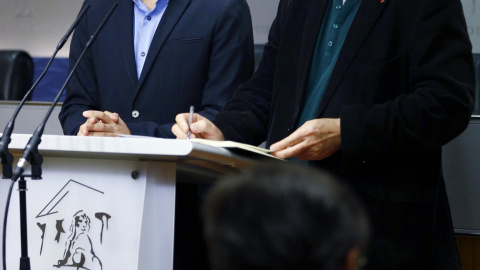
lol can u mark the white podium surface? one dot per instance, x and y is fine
(106, 203)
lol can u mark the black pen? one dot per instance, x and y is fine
(190, 118)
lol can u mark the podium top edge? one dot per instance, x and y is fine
(109, 145)
(135, 147)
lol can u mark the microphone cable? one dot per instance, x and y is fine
(4, 242)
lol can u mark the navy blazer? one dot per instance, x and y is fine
(201, 51)
(403, 86)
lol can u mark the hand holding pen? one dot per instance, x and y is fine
(193, 125)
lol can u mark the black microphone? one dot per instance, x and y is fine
(5, 155)
(30, 153)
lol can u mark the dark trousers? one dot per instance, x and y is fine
(189, 251)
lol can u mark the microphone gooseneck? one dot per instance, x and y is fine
(30, 153)
(5, 155)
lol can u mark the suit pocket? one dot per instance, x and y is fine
(183, 40)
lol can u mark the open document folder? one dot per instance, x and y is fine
(223, 144)
(232, 144)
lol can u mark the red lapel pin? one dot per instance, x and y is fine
(381, 1)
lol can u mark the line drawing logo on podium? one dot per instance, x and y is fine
(77, 248)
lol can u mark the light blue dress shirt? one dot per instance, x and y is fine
(145, 24)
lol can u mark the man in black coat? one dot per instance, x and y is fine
(399, 87)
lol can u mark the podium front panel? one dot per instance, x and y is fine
(96, 214)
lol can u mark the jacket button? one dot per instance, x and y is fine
(135, 113)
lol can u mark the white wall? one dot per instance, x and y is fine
(37, 25)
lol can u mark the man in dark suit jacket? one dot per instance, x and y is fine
(401, 87)
(200, 52)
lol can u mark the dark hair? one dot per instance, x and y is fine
(282, 216)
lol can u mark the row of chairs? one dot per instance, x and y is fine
(16, 74)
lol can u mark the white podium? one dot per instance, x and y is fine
(107, 203)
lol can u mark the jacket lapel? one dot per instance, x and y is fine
(313, 10)
(173, 13)
(126, 29)
(365, 19)
(298, 31)
(307, 30)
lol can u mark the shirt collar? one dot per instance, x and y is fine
(137, 2)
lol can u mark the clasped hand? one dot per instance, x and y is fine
(102, 124)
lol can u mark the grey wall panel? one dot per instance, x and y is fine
(30, 117)
(461, 163)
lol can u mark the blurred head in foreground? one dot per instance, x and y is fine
(284, 217)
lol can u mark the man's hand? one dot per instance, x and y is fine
(102, 124)
(201, 128)
(316, 139)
